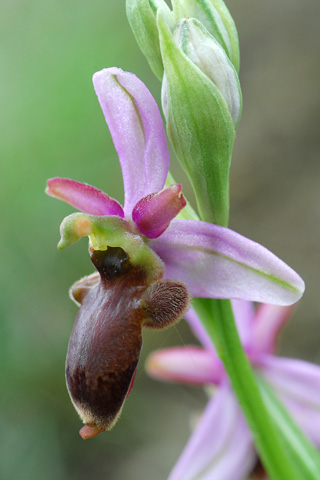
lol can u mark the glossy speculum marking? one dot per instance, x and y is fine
(106, 339)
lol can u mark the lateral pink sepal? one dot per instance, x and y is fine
(83, 197)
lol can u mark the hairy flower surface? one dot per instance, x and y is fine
(145, 255)
(221, 446)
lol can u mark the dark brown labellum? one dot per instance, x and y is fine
(106, 339)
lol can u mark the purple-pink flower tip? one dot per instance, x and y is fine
(153, 213)
(83, 197)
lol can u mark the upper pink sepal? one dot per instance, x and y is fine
(153, 213)
(83, 197)
(138, 134)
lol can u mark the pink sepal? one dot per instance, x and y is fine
(190, 365)
(137, 131)
(153, 213)
(83, 197)
(221, 446)
(215, 262)
(268, 322)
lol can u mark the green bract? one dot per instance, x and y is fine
(142, 18)
(200, 128)
(216, 18)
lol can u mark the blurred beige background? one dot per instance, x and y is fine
(51, 125)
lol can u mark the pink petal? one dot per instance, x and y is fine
(137, 131)
(83, 197)
(153, 213)
(221, 446)
(297, 383)
(198, 329)
(193, 365)
(216, 262)
(267, 324)
(244, 313)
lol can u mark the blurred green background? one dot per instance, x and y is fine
(51, 125)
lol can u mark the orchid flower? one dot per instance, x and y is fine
(136, 246)
(213, 261)
(221, 446)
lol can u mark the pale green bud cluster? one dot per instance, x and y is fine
(207, 54)
(142, 16)
(216, 18)
(194, 50)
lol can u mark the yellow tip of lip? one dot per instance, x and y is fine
(89, 431)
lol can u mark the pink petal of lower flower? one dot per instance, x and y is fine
(193, 365)
(307, 418)
(216, 262)
(83, 197)
(153, 213)
(268, 321)
(221, 446)
(297, 383)
(244, 313)
(198, 329)
(137, 131)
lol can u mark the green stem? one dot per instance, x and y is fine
(217, 317)
(302, 452)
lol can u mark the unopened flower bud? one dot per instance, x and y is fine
(142, 18)
(208, 55)
(199, 121)
(215, 16)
